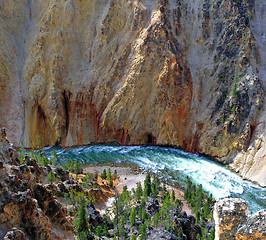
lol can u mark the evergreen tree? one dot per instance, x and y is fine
(77, 167)
(180, 235)
(173, 196)
(143, 232)
(104, 174)
(212, 234)
(198, 237)
(139, 192)
(132, 217)
(147, 185)
(81, 221)
(109, 174)
(99, 231)
(156, 219)
(54, 157)
(96, 176)
(198, 216)
(111, 183)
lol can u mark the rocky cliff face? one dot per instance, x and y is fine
(175, 72)
(232, 222)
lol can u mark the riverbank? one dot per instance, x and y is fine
(129, 175)
(172, 165)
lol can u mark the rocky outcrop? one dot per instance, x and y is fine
(229, 214)
(15, 234)
(254, 227)
(232, 222)
(162, 234)
(182, 73)
(25, 203)
(250, 163)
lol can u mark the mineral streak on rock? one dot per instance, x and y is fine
(183, 73)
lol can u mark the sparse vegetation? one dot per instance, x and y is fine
(139, 210)
(201, 203)
(234, 109)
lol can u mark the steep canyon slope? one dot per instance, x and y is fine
(172, 72)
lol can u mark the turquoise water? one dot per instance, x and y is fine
(173, 165)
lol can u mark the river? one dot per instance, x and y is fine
(173, 165)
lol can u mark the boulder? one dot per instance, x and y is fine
(15, 234)
(62, 174)
(94, 216)
(152, 205)
(162, 233)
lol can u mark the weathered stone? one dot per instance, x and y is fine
(62, 174)
(15, 234)
(162, 234)
(254, 227)
(26, 204)
(51, 207)
(94, 216)
(152, 205)
(229, 214)
(22, 210)
(35, 167)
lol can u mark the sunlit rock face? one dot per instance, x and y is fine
(229, 214)
(254, 228)
(183, 73)
(232, 222)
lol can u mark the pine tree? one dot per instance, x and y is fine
(139, 192)
(81, 222)
(198, 216)
(156, 219)
(109, 174)
(198, 237)
(155, 186)
(99, 231)
(212, 234)
(96, 176)
(143, 232)
(111, 183)
(132, 217)
(147, 185)
(173, 196)
(104, 174)
(55, 157)
(180, 235)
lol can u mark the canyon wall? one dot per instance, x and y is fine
(184, 73)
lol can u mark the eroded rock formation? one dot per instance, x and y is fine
(254, 228)
(229, 214)
(25, 203)
(182, 73)
(232, 222)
